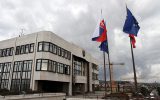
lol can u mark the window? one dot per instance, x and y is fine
(77, 68)
(67, 69)
(94, 76)
(3, 52)
(51, 47)
(4, 74)
(40, 46)
(44, 64)
(65, 54)
(31, 48)
(54, 49)
(7, 51)
(22, 49)
(27, 48)
(46, 46)
(54, 64)
(21, 75)
(50, 65)
(38, 66)
(61, 68)
(18, 49)
(59, 51)
(62, 52)
(11, 51)
(58, 68)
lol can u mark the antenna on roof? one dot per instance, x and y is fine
(22, 32)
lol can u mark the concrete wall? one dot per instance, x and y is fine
(44, 96)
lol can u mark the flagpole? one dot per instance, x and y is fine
(110, 71)
(134, 69)
(104, 73)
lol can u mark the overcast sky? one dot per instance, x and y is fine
(75, 21)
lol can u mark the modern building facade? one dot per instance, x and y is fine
(43, 61)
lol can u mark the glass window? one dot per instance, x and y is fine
(77, 68)
(17, 50)
(40, 46)
(44, 64)
(26, 48)
(58, 68)
(31, 48)
(38, 67)
(54, 49)
(22, 49)
(65, 54)
(51, 47)
(68, 69)
(50, 65)
(62, 52)
(46, 46)
(61, 68)
(11, 51)
(7, 51)
(54, 66)
(3, 52)
(1, 67)
(25, 67)
(29, 65)
(59, 51)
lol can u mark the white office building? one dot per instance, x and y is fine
(43, 61)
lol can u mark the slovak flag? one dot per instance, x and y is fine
(99, 34)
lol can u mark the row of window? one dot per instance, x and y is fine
(52, 66)
(6, 52)
(4, 74)
(50, 47)
(21, 75)
(24, 49)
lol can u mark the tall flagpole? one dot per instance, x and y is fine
(104, 67)
(110, 71)
(104, 73)
(134, 69)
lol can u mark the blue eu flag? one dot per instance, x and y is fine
(131, 25)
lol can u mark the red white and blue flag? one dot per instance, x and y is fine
(100, 35)
(100, 32)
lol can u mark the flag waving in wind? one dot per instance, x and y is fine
(100, 35)
(131, 27)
